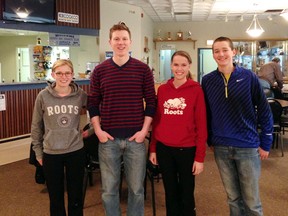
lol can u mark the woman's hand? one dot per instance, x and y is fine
(40, 161)
(197, 168)
(153, 158)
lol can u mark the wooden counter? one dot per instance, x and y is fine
(20, 98)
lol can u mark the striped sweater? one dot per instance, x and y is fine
(235, 111)
(117, 93)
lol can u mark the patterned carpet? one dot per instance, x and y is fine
(21, 196)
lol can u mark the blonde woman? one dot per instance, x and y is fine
(57, 140)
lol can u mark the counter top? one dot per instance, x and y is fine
(34, 84)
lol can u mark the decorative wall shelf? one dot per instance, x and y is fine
(184, 40)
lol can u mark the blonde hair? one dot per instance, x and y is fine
(62, 62)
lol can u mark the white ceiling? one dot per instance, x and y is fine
(208, 10)
(196, 10)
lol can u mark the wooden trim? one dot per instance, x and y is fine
(16, 119)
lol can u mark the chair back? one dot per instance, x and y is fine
(276, 109)
(91, 144)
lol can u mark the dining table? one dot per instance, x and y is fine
(284, 103)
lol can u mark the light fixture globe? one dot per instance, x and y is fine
(22, 12)
(255, 29)
(284, 14)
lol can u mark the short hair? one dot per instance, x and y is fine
(276, 59)
(62, 62)
(222, 38)
(121, 26)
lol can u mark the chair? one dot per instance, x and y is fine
(284, 116)
(152, 173)
(284, 122)
(91, 144)
(277, 110)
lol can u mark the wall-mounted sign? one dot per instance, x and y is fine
(2, 102)
(58, 39)
(69, 18)
(108, 54)
(168, 46)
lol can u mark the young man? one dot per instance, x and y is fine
(121, 122)
(236, 107)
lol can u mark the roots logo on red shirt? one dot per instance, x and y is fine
(174, 106)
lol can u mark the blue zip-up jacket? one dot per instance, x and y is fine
(236, 109)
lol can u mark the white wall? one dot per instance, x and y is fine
(8, 54)
(139, 25)
(147, 31)
(88, 51)
(93, 49)
(203, 31)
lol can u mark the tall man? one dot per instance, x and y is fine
(115, 103)
(236, 106)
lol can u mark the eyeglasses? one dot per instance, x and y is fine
(67, 74)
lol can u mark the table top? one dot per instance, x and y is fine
(284, 103)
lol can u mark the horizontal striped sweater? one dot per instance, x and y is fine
(235, 113)
(117, 93)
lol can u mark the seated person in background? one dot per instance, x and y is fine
(270, 74)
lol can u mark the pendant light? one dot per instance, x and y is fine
(255, 29)
(284, 14)
(22, 12)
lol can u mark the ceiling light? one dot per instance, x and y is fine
(22, 12)
(284, 14)
(255, 29)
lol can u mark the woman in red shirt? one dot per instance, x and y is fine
(179, 136)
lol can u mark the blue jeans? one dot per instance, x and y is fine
(266, 87)
(240, 170)
(134, 158)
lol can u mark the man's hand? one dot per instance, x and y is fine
(263, 154)
(139, 137)
(103, 136)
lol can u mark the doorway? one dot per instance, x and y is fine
(23, 66)
(206, 63)
(164, 64)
